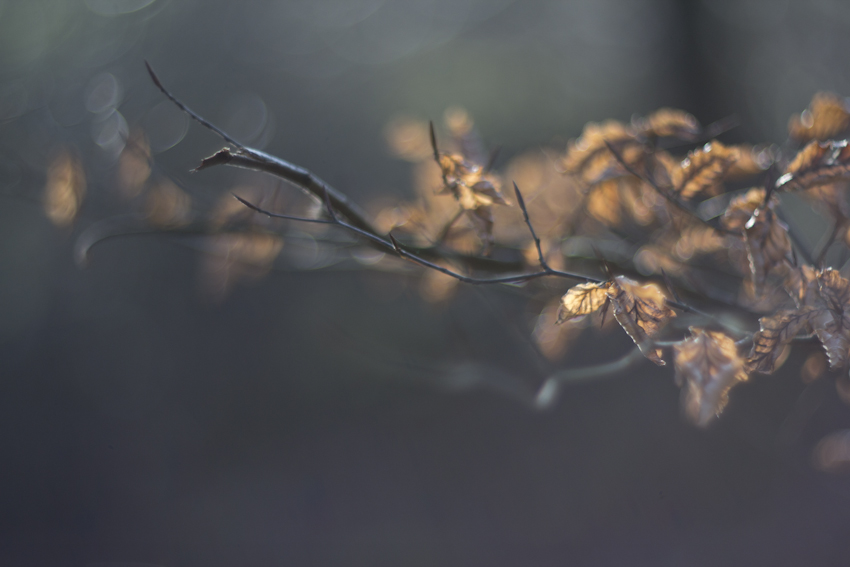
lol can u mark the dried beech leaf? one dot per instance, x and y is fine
(752, 160)
(802, 285)
(668, 122)
(816, 164)
(833, 325)
(775, 333)
(603, 203)
(583, 299)
(826, 117)
(768, 244)
(707, 365)
(65, 189)
(475, 190)
(641, 310)
(703, 170)
(741, 209)
(589, 159)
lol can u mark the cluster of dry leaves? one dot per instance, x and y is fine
(705, 225)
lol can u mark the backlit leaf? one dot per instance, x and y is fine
(65, 189)
(703, 170)
(668, 122)
(641, 310)
(775, 332)
(816, 164)
(768, 243)
(833, 325)
(826, 117)
(707, 365)
(583, 299)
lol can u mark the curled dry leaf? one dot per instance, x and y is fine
(775, 332)
(65, 189)
(588, 158)
(707, 365)
(817, 164)
(641, 310)
(703, 170)
(826, 117)
(768, 244)
(832, 325)
(802, 285)
(668, 122)
(741, 208)
(475, 190)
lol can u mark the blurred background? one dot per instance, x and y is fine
(301, 416)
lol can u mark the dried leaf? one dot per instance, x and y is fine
(768, 244)
(668, 122)
(707, 365)
(833, 324)
(603, 203)
(775, 333)
(641, 310)
(816, 164)
(752, 160)
(475, 190)
(583, 299)
(826, 117)
(65, 189)
(802, 285)
(741, 209)
(167, 205)
(703, 170)
(589, 159)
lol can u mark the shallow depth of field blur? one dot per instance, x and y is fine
(163, 405)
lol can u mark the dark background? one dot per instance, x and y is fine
(143, 423)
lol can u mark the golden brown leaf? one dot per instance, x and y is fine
(775, 333)
(768, 244)
(641, 310)
(589, 159)
(583, 299)
(703, 170)
(475, 190)
(816, 164)
(603, 202)
(752, 160)
(167, 205)
(707, 365)
(65, 189)
(741, 209)
(668, 122)
(832, 325)
(802, 285)
(826, 117)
